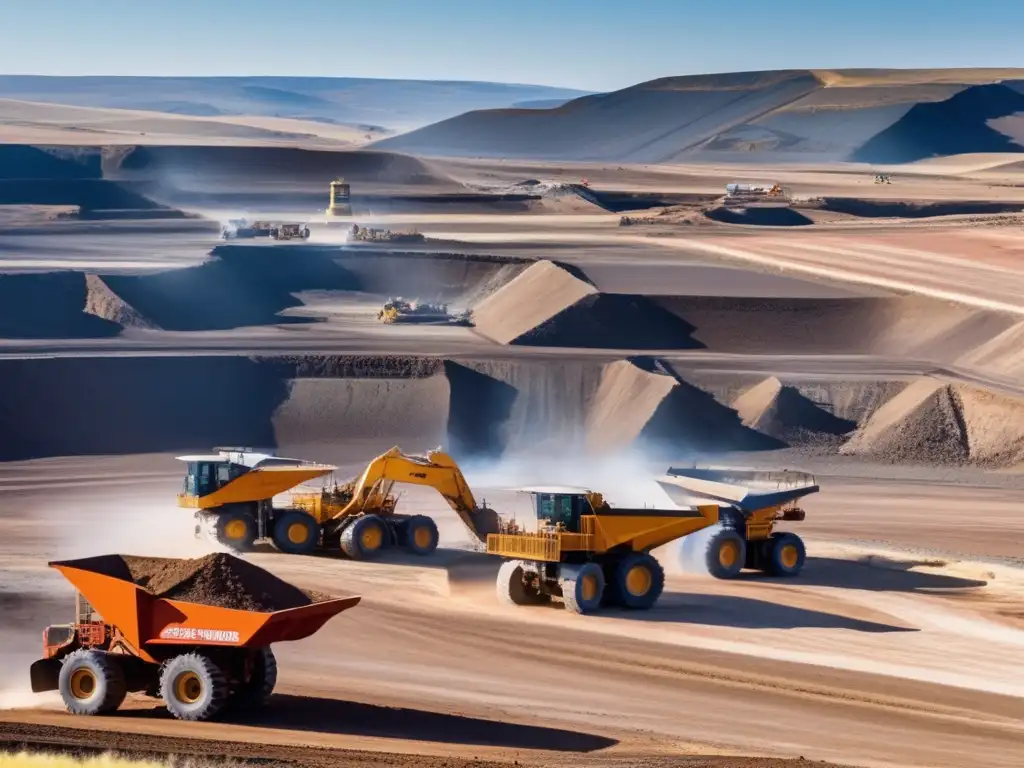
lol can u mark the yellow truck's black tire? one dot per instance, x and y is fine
(364, 538)
(636, 582)
(726, 554)
(296, 533)
(418, 535)
(255, 692)
(512, 589)
(235, 529)
(786, 554)
(91, 683)
(193, 687)
(582, 587)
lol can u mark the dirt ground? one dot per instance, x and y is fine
(847, 664)
(898, 645)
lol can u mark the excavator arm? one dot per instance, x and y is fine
(437, 470)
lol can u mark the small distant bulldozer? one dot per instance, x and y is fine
(289, 232)
(368, 235)
(244, 229)
(754, 195)
(401, 311)
(883, 178)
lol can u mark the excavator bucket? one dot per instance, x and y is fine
(145, 619)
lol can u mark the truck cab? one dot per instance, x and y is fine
(206, 474)
(562, 509)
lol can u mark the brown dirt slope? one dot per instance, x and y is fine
(931, 421)
(866, 115)
(625, 402)
(534, 296)
(103, 302)
(329, 411)
(782, 411)
(1002, 355)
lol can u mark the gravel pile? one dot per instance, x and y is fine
(220, 580)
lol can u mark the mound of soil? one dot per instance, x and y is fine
(762, 217)
(933, 422)
(921, 424)
(625, 402)
(691, 419)
(781, 411)
(613, 321)
(103, 302)
(219, 579)
(534, 296)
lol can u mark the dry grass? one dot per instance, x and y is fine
(37, 760)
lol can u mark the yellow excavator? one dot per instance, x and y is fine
(233, 493)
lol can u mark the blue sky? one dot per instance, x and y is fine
(594, 45)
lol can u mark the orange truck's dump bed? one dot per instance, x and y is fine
(145, 619)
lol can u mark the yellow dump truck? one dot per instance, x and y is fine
(233, 492)
(587, 553)
(751, 503)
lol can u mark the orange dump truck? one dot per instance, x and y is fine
(201, 659)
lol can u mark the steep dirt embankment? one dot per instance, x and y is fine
(782, 411)
(532, 298)
(60, 176)
(1001, 355)
(646, 123)
(52, 305)
(641, 399)
(102, 302)
(71, 406)
(241, 285)
(935, 422)
(552, 305)
(752, 117)
(905, 326)
(429, 277)
(960, 124)
(283, 164)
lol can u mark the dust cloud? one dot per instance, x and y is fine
(626, 479)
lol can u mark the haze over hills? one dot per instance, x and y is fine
(392, 104)
(875, 116)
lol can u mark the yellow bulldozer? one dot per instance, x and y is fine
(233, 493)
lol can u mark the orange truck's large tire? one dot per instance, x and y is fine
(91, 683)
(193, 687)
